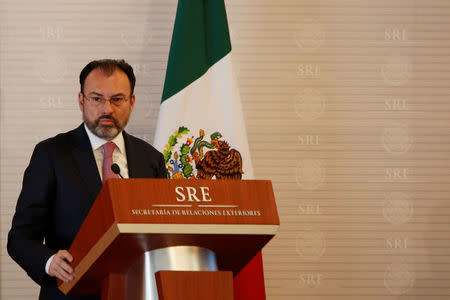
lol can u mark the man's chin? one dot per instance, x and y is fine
(106, 132)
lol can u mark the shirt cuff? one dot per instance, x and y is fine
(47, 265)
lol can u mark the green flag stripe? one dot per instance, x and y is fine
(200, 39)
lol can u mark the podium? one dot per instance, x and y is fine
(160, 239)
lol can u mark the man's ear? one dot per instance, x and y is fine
(132, 99)
(81, 100)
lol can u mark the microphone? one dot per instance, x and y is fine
(116, 169)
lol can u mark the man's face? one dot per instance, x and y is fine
(106, 120)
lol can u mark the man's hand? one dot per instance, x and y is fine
(60, 268)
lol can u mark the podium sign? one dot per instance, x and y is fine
(232, 218)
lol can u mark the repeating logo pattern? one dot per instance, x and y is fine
(397, 139)
(309, 35)
(397, 70)
(309, 104)
(399, 278)
(52, 67)
(134, 39)
(397, 208)
(310, 174)
(311, 244)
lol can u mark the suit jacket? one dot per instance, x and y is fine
(59, 187)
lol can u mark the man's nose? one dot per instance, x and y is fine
(107, 106)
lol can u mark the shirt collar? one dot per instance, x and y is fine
(97, 142)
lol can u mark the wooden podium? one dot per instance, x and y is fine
(230, 219)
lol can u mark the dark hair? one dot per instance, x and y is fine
(108, 66)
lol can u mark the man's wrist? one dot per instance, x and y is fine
(47, 265)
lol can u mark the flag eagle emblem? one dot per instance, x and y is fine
(199, 158)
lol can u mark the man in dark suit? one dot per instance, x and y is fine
(66, 172)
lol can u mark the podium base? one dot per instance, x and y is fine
(140, 278)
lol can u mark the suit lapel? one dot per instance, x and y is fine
(85, 162)
(134, 159)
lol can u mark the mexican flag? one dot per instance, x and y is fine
(201, 129)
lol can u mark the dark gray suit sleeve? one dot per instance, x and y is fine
(31, 220)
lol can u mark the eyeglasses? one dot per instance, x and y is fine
(115, 100)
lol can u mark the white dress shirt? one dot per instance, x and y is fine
(119, 154)
(119, 157)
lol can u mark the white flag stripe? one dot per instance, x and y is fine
(211, 103)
